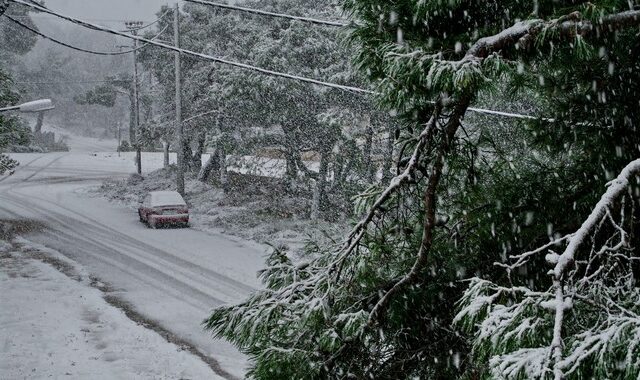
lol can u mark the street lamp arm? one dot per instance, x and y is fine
(12, 108)
(34, 106)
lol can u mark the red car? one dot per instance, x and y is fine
(164, 207)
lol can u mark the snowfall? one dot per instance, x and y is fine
(94, 293)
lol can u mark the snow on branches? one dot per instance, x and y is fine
(7, 164)
(587, 323)
(311, 313)
(410, 71)
(350, 303)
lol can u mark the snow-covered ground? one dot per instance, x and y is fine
(56, 327)
(171, 277)
(81, 143)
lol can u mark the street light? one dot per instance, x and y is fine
(35, 106)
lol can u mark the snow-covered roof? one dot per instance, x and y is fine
(166, 198)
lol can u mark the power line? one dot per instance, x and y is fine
(272, 14)
(250, 67)
(473, 109)
(88, 19)
(52, 18)
(81, 49)
(74, 82)
(78, 48)
(195, 54)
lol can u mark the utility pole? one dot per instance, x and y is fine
(179, 126)
(133, 26)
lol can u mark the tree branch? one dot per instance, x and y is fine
(566, 26)
(565, 261)
(359, 230)
(430, 205)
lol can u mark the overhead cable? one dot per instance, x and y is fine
(78, 48)
(52, 18)
(250, 67)
(271, 14)
(74, 82)
(195, 54)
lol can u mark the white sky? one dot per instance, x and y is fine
(144, 10)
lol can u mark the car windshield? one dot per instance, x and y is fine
(166, 198)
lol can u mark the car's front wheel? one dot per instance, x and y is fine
(140, 216)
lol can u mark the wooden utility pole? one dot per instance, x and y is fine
(179, 126)
(134, 26)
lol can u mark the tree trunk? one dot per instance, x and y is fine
(291, 173)
(165, 151)
(38, 128)
(132, 120)
(291, 143)
(388, 157)
(368, 147)
(212, 165)
(196, 159)
(187, 153)
(319, 192)
(222, 153)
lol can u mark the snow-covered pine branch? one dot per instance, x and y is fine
(587, 323)
(360, 303)
(7, 164)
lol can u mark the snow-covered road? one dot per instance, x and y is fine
(170, 276)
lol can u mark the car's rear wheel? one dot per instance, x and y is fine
(152, 224)
(140, 216)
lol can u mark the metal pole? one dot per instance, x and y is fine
(179, 126)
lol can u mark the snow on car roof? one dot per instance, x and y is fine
(166, 198)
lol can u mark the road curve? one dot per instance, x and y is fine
(173, 277)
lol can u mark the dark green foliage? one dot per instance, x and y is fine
(11, 45)
(507, 186)
(12, 129)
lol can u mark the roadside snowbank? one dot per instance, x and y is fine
(54, 326)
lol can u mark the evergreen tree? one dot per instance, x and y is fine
(468, 193)
(12, 129)
(287, 113)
